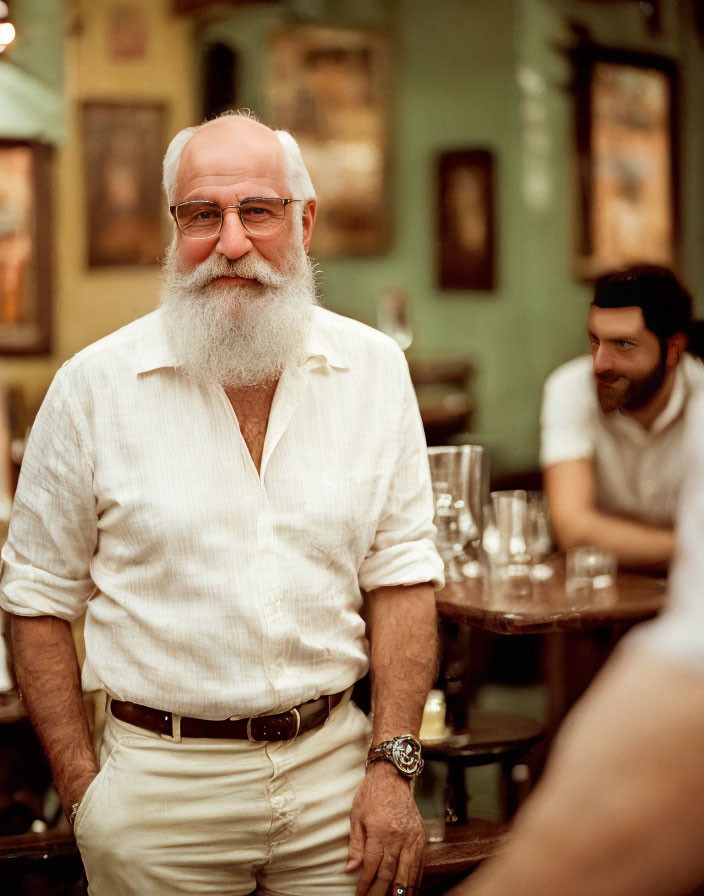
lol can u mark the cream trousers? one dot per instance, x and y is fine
(223, 817)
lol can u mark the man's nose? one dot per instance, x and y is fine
(233, 240)
(601, 358)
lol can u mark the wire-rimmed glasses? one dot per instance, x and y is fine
(201, 219)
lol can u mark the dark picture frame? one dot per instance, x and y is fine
(466, 243)
(123, 145)
(626, 125)
(25, 247)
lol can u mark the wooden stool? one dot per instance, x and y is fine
(491, 737)
(464, 847)
(46, 864)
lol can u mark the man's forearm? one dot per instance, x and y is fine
(636, 544)
(48, 675)
(404, 656)
(621, 807)
(571, 490)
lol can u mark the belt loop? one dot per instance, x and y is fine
(176, 728)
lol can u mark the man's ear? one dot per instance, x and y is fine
(309, 213)
(676, 346)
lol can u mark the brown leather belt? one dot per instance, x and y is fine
(282, 726)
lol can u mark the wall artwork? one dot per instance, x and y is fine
(330, 88)
(25, 247)
(627, 150)
(123, 148)
(465, 232)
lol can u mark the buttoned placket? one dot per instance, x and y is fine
(286, 399)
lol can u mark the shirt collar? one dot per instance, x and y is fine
(319, 351)
(676, 402)
(154, 352)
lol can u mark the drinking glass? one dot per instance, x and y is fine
(459, 475)
(506, 543)
(393, 316)
(539, 539)
(590, 573)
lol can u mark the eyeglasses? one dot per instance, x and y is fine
(201, 219)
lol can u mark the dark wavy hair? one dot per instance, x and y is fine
(664, 301)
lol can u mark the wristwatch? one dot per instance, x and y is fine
(72, 813)
(403, 751)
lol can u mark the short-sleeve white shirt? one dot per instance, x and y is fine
(211, 590)
(638, 471)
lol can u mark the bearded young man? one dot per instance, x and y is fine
(612, 425)
(215, 485)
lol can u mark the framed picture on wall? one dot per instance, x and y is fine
(123, 147)
(465, 228)
(626, 115)
(25, 247)
(330, 88)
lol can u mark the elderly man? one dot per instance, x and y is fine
(620, 810)
(215, 485)
(612, 425)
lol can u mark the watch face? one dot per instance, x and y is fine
(406, 754)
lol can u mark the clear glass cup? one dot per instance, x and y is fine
(539, 540)
(590, 573)
(459, 476)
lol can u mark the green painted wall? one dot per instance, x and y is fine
(488, 73)
(484, 73)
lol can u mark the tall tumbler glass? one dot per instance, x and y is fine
(506, 540)
(460, 479)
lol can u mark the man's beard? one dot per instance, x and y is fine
(236, 335)
(619, 393)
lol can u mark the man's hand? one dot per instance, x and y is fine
(387, 837)
(76, 792)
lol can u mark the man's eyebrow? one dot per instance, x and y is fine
(621, 337)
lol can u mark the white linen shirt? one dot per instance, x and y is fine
(638, 472)
(211, 590)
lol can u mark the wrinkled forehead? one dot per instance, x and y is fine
(226, 152)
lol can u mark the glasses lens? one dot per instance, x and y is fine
(262, 215)
(199, 220)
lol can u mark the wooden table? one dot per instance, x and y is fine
(576, 638)
(546, 606)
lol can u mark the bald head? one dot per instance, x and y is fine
(230, 150)
(231, 130)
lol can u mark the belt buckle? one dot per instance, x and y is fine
(270, 727)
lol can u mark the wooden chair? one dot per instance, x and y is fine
(444, 397)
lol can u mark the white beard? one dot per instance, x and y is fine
(237, 336)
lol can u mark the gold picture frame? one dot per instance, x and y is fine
(25, 247)
(627, 175)
(330, 88)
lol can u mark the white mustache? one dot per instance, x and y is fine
(246, 267)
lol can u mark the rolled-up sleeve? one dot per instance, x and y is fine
(53, 529)
(403, 552)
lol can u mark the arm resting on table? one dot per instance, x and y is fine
(47, 672)
(571, 492)
(387, 838)
(620, 809)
